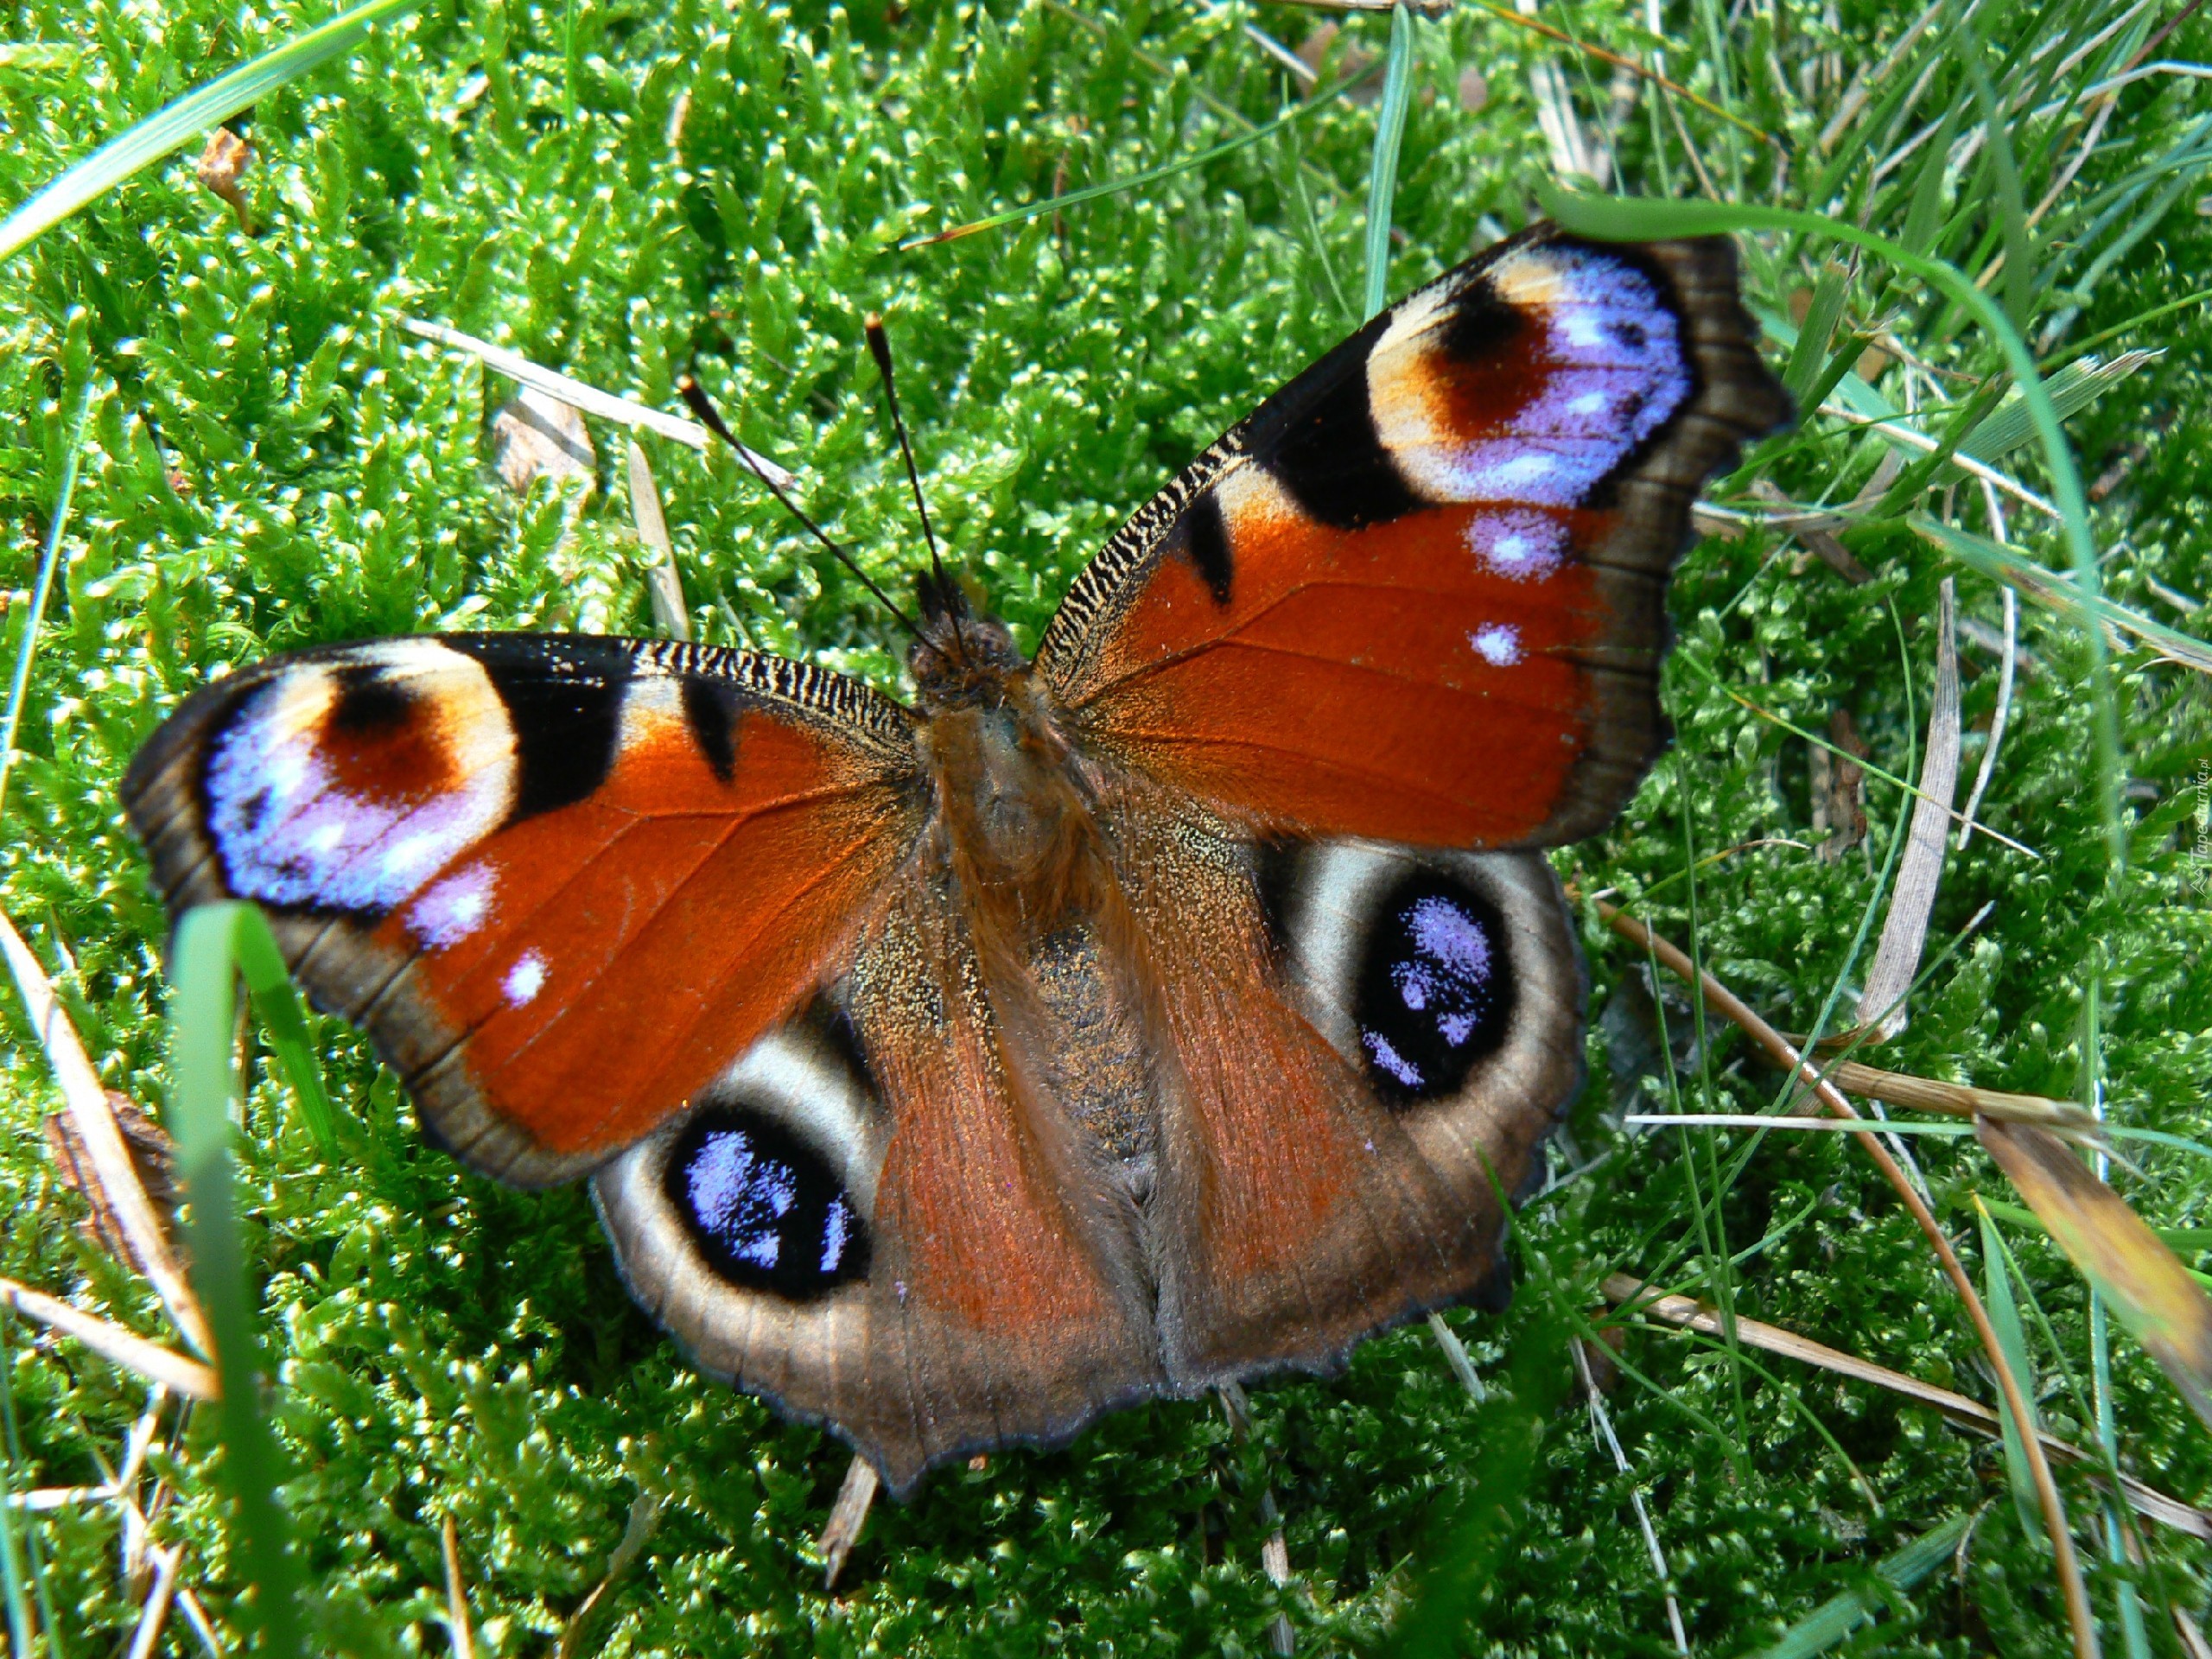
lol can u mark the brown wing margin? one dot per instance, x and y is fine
(1286, 630)
(560, 882)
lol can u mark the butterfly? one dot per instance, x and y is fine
(1176, 1007)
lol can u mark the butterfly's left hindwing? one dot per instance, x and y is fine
(560, 882)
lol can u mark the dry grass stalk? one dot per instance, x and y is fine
(577, 394)
(155, 1612)
(663, 585)
(127, 1349)
(2146, 1501)
(846, 1516)
(2007, 667)
(1955, 1099)
(1601, 1426)
(461, 1632)
(1724, 1002)
(1274, 1553)
(1920, 870)
(1895, 428)
(1455, 1356)
(109, 1159)
(578, 1639)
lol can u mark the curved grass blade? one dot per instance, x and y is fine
(212, 943)
(1623, 219)
(2004, 1314)
(1901, 1569)
(1382, 176)
(140, 146)
(262, 966)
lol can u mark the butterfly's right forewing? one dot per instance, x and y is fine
(562, 883)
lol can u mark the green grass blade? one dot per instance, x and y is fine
(1148, 175)
(1836, 1618)
(11, 1561)
(49, 559)
(2004, 1316)
(262, 966)
(201, 1010)
(143, 144)
(1383, 177)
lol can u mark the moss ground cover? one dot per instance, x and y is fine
(629, 193)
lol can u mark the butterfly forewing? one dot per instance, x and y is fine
(560, 883)
(1419, 596)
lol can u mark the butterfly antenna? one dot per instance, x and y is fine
(695, 399)
(878, 346)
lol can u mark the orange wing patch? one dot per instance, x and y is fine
(1421, 681)
(560, 882)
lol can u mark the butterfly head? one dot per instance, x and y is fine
(960, 657)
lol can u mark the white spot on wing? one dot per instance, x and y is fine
(525, 980)
(1497, 643)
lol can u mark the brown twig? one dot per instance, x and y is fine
(1722, 1000)
(855, 1494)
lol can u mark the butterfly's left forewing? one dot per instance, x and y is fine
(562, 883)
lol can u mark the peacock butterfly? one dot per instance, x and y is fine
(1163, 1011)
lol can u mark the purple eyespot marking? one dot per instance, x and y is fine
(1434, 990)
(1521, 546)
(742, 1197)
(1614, 374)
(289, 835)
(763, 1207)
(1388, 1057)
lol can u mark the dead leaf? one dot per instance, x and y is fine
(152, 1155)
(536, 436)
(1839, 791)
(1920, 871)
(221, 165)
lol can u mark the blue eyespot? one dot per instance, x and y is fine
(765, 1209)
(1434, 989)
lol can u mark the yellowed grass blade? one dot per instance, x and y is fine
(126, 1348)
(2116, 1251)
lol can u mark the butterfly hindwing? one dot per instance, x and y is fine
(1370, 1044)
(559, 882)
(1419, 595)
(880, 1220)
